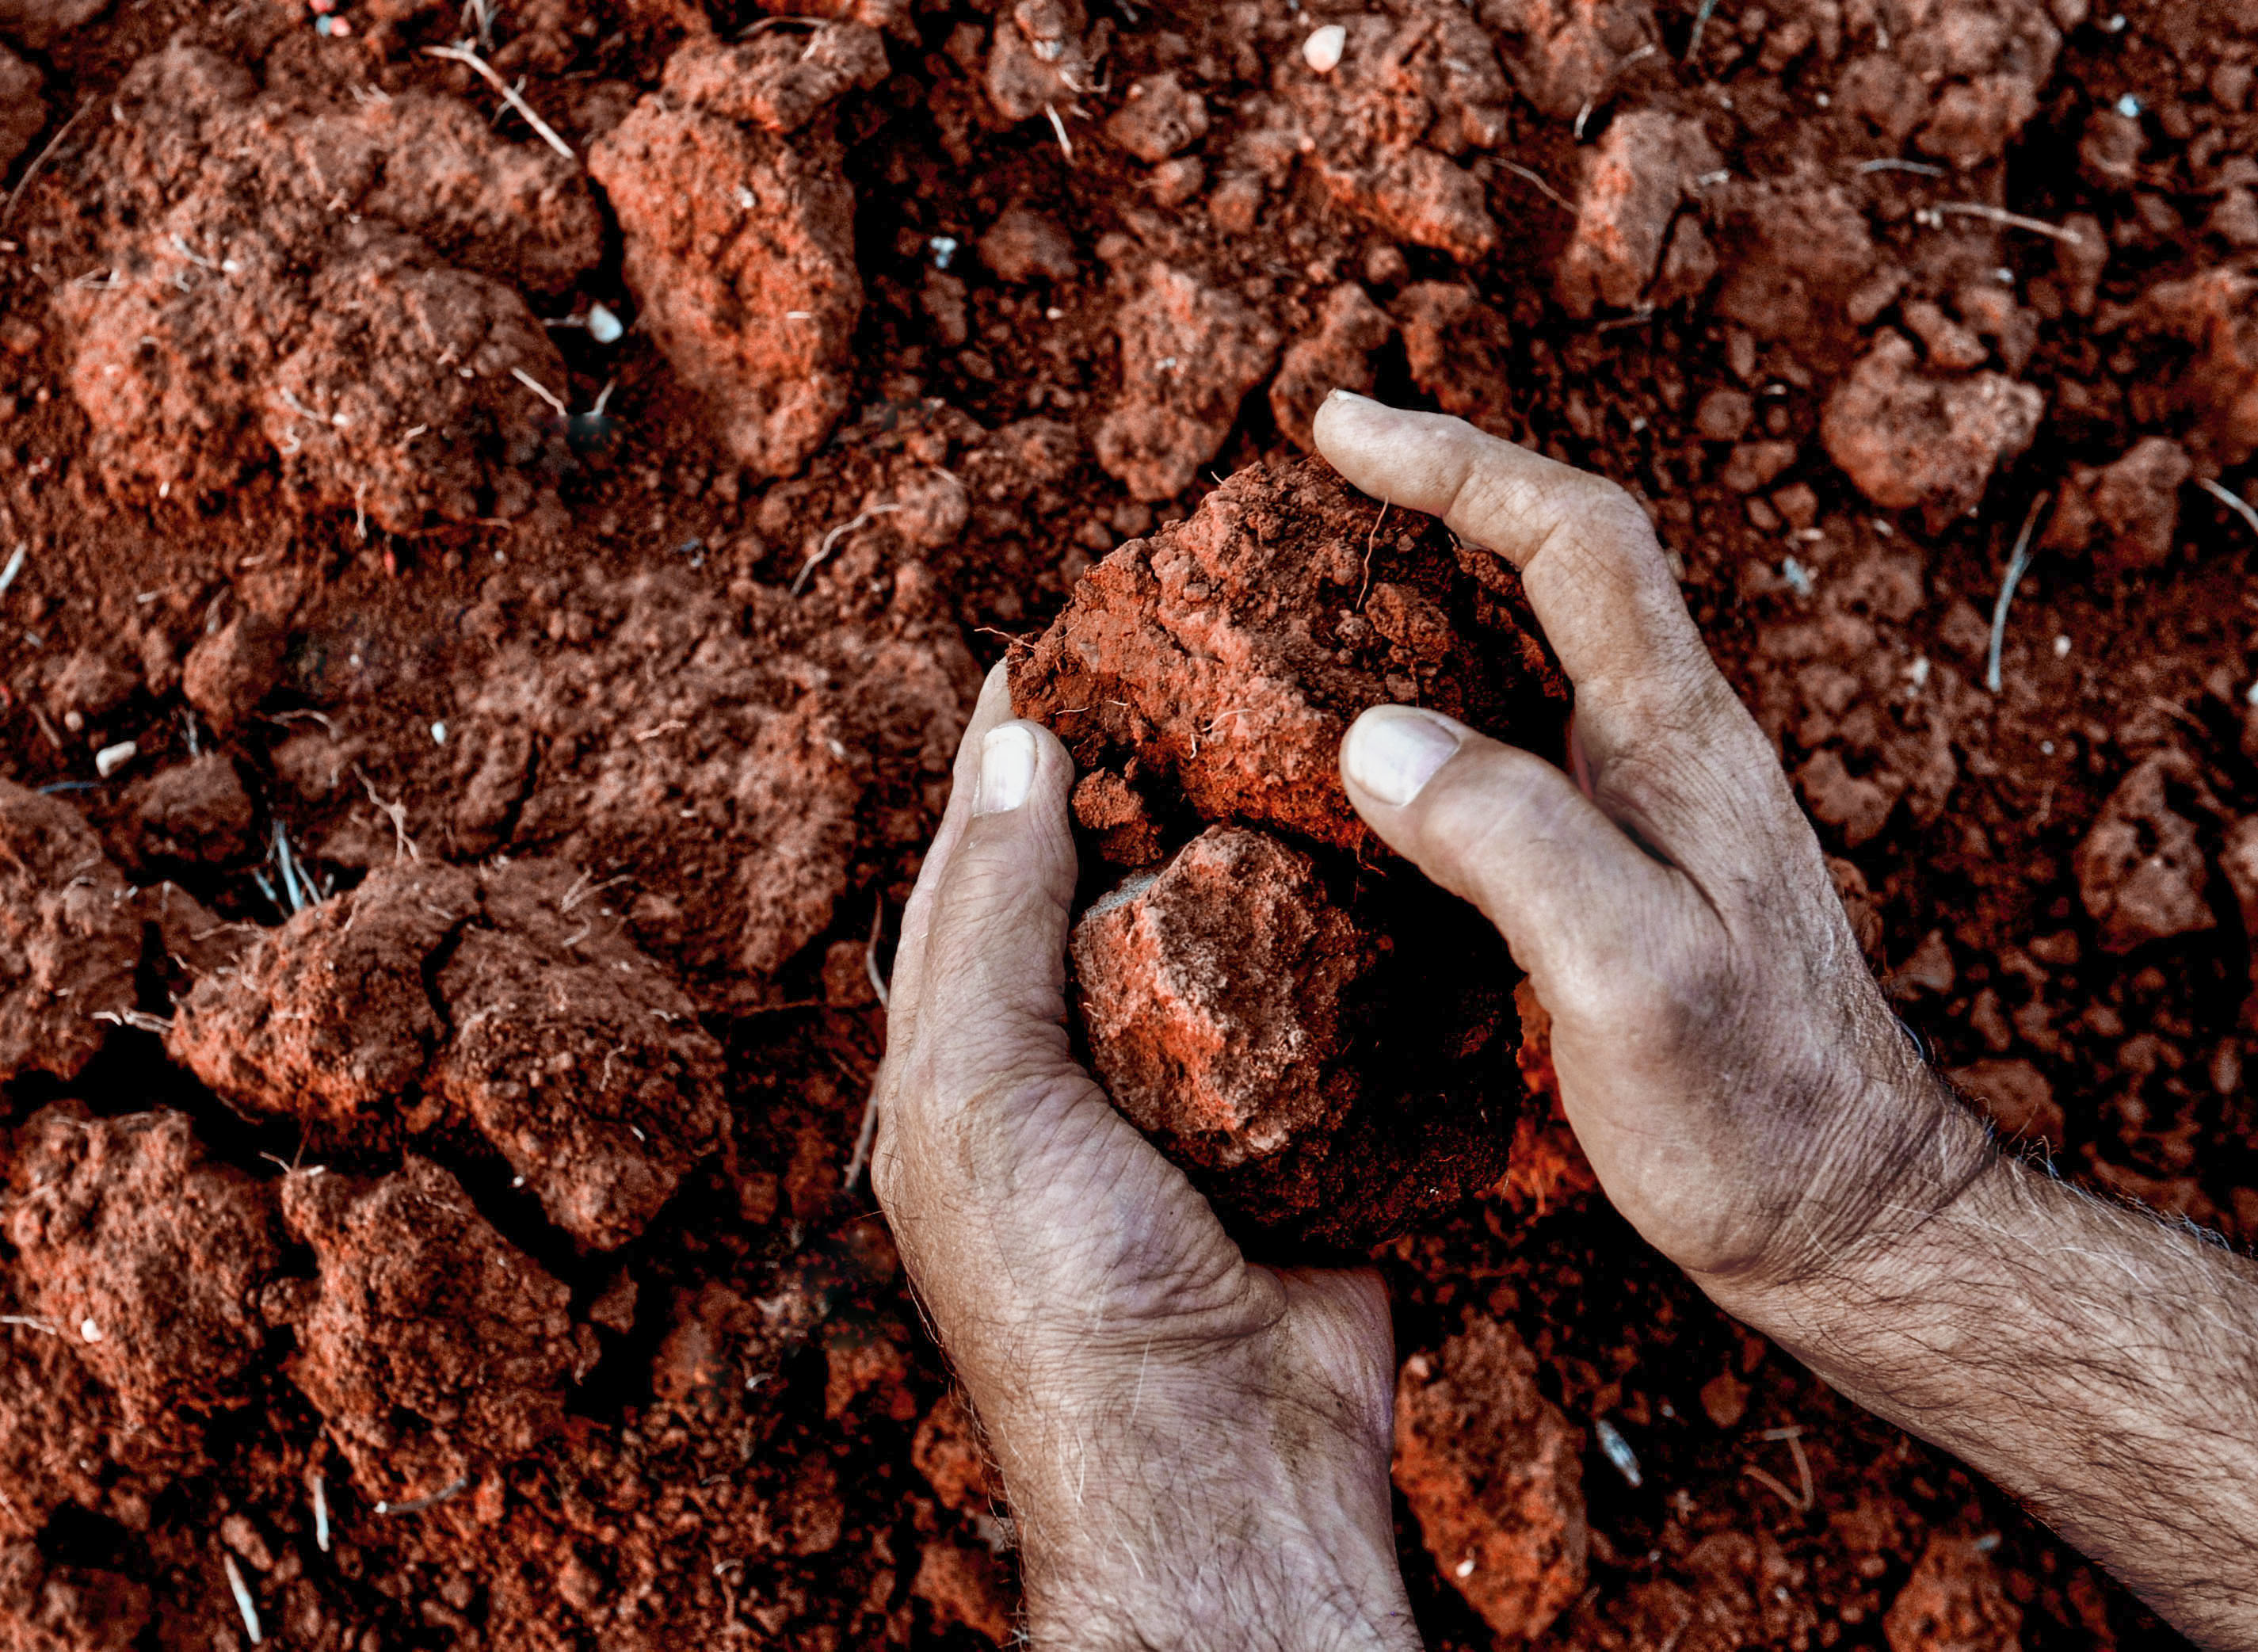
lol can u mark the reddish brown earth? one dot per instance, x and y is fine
(495, 1196)
(1301, 1052)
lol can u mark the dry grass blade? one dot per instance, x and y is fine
(2229, 498)
(509, 95)
(2013, 220)
(2018, 566)
(33, 171)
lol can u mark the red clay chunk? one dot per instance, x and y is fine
(1493, 1472)
(1220, 662)
(739, 225)
(292, 283)
(429, 1344)
(1319, 1082)
(70, 938)
(1214, 998)
(576, 1057)
(148, 1258)
(509, 999)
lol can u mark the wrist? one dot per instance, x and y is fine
(1242, 1519)
(1194, 1577)
(1876, 1226)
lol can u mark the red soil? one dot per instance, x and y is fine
(591, 812)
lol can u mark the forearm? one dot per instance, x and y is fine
(2098, 1364)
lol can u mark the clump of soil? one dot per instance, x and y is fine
(748, 284)
(726, 757)
(21, 114)
(430, 1345)
(329, 288)
(146, 1256)
(1279, 1017)
(1216, 998)
(70, 937)
(47, 1607)
(1492, 1471)
(508, 1002)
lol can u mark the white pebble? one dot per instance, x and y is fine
(90, 1331)
(1618, 1450)
(2062, 648)
(1321, 51)
(603, 326)
(438, 734)
(111, 759)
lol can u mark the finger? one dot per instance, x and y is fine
(994, 947)
(1589, 558)
(905, 991)
(1658, 722)
(1508, 831)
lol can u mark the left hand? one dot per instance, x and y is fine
(1195, 1450)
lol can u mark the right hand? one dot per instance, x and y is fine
(1747, 1099)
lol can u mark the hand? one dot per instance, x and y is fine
(1195, 1451)
(1746, 1097)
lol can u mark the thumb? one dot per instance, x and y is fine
(1565, 885)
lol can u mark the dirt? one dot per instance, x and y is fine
(435, 1033)
(1259, 1026)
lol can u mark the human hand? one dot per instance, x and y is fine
(1195, 1451)
(1745, 1097)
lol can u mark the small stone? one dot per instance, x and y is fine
(1725, 1399)
(1491, 1473)
(231, 672)
(2140, 870)
(1321, 51)
(1160, 117)
(1024, 246)
(1213, 995)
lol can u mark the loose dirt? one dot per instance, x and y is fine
(483, 630)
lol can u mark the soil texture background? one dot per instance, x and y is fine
(491, 583)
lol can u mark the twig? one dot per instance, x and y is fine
(823, 551)
(321, 1514)
(1542, 187)
(2226, 496)
(404, 849)
(2013, 220)
(243, 1602)
(15, 566)
(2017, 566)
(1700, 22)
(291, 886)
(417, 1505)
(1793, 1435)
(1059, 127)
(35, 1324)
(139, 1020)
(33, 171)
(871, 955)
(1889, 163)
(509, 94)
(540, 390)
(868, 1134)
(1372, 535)
(1770, 1482)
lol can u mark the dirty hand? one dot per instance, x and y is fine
(1745, 1097)
(1195, 1451)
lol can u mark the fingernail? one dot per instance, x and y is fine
(1393, 752)
(1007, 768)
